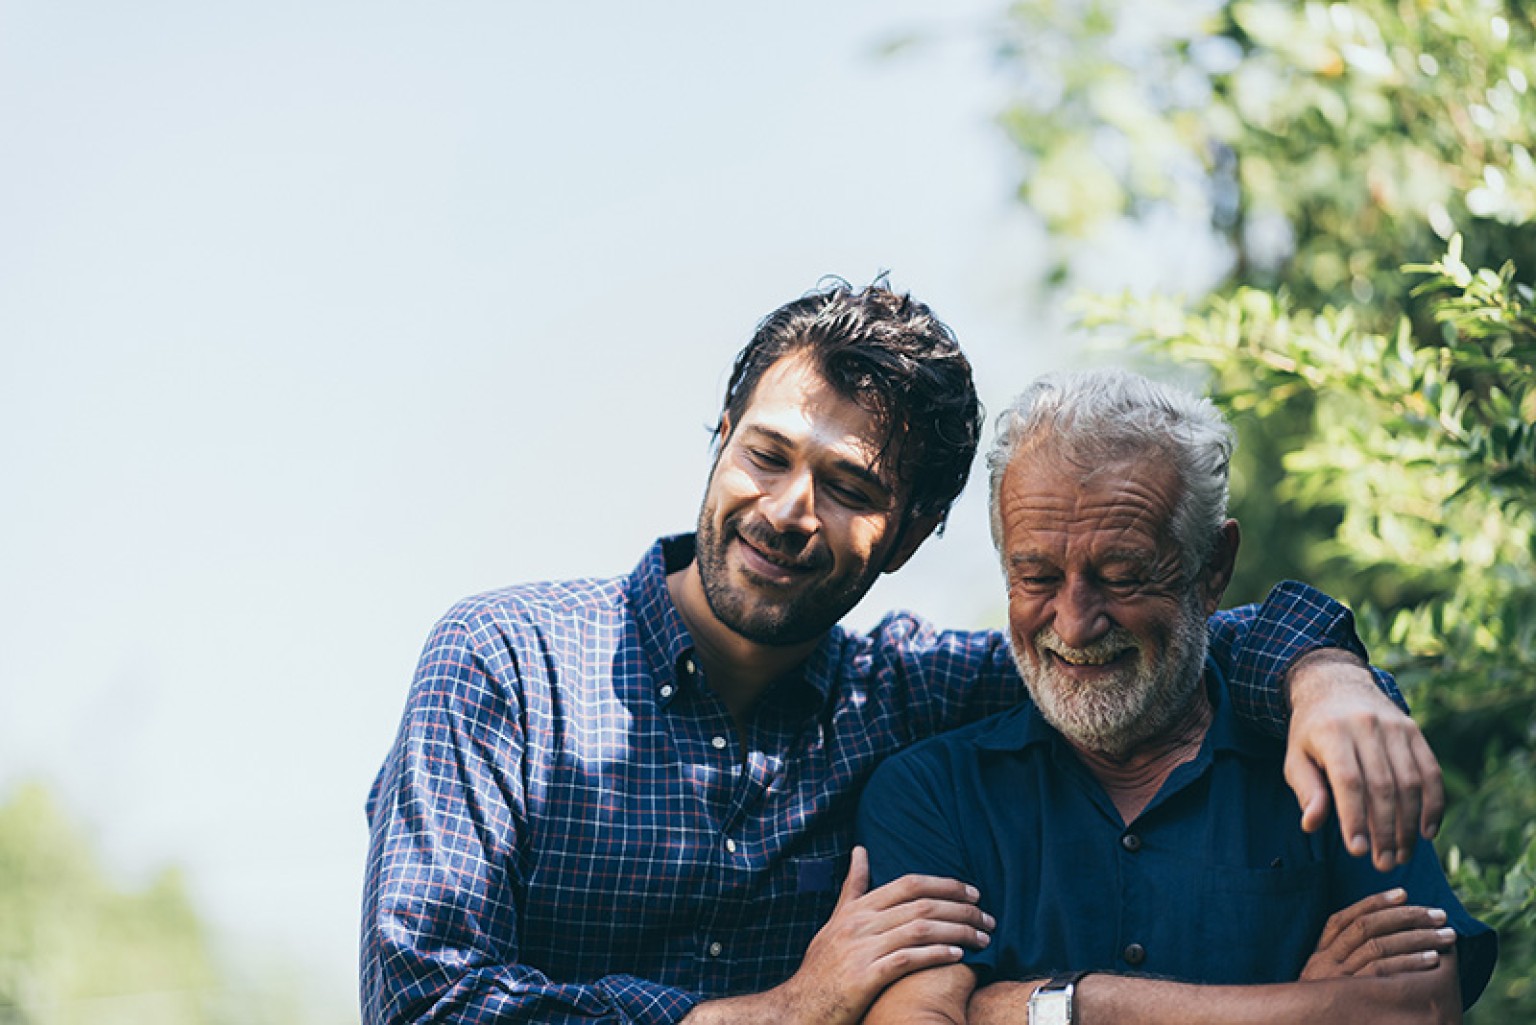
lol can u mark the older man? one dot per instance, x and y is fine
(1125, 823)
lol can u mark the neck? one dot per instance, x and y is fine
(1133, 779)
(739, 670)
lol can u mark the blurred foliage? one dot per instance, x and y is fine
(73, 949)
(76, 950)
(1368, 167)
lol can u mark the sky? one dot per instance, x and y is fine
(316, 317)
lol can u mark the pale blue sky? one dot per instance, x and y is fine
(315, 317)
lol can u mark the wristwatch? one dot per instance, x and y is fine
(1051, 1004)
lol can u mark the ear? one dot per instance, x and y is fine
(913, 533)
(1218, 572)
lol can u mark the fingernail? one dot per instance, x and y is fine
(1448, 935)
(1432, 832)
(1397, 893)
(1358, 844)
(1431, 956)
(971, 893)
(956, 953)
(1437, 916)
(991, 923)
(982, 938)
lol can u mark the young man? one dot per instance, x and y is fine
(632, 800)
(1124, 823)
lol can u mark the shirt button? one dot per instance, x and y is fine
(1134, 954)
(715, 949)
(688, 669)
(718, 743)
(730, 845)
(667, 690)
(1131, 842)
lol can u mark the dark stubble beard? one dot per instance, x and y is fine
(1141, 702)
(805, 616)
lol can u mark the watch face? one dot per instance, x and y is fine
(1051, 1008)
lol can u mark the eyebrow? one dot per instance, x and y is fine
(1134, 556)
(864, 473)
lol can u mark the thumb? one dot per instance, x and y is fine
(1311, 788)
(857, 883)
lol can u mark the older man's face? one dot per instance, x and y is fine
(1107, 633)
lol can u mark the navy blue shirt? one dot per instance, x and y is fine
(1213, 882)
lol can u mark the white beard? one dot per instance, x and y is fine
(1136, 703)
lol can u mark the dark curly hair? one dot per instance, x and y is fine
(888, 352)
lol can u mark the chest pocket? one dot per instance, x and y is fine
(1260, 924)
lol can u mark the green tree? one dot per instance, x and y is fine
(75, 949)
(1368, 167)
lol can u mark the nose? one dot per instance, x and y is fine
(790, 505)
(1078, 613)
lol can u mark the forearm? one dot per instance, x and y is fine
(936, 996)
(1422, 998)
(773, 1007)
(514, 995)
(1257, 647)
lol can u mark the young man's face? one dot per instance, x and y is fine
(800, 516)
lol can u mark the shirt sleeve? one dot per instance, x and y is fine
(439, 931)
(906, 823)
(1477, 945)
(1255, 645)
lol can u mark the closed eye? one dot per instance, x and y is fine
(766, 459)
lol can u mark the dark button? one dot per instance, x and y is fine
(1134, 954)
(1131, 842)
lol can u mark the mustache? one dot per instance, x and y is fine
(1111, 644)
(795, 551)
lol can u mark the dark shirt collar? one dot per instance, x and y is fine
(669, 647)
(1023, 726)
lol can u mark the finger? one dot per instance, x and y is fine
(1397, 945)
(904, 961)
(1410, 790)
(1380, 791)
(909, 888)
(857, 883)
(965, 914)
(1385, 932)
(1421, 961)
(1310, 787)
(1341, 921)
(928, 932)
(1346, 782)
(1434, 787)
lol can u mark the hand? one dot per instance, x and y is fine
(1380, 935)
(875, 937)
(1347, 733)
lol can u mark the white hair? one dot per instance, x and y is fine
(1098, 416)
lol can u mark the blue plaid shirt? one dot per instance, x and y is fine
(568, 829)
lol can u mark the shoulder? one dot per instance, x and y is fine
(539, 606)
(941, 759)
(909, 639)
